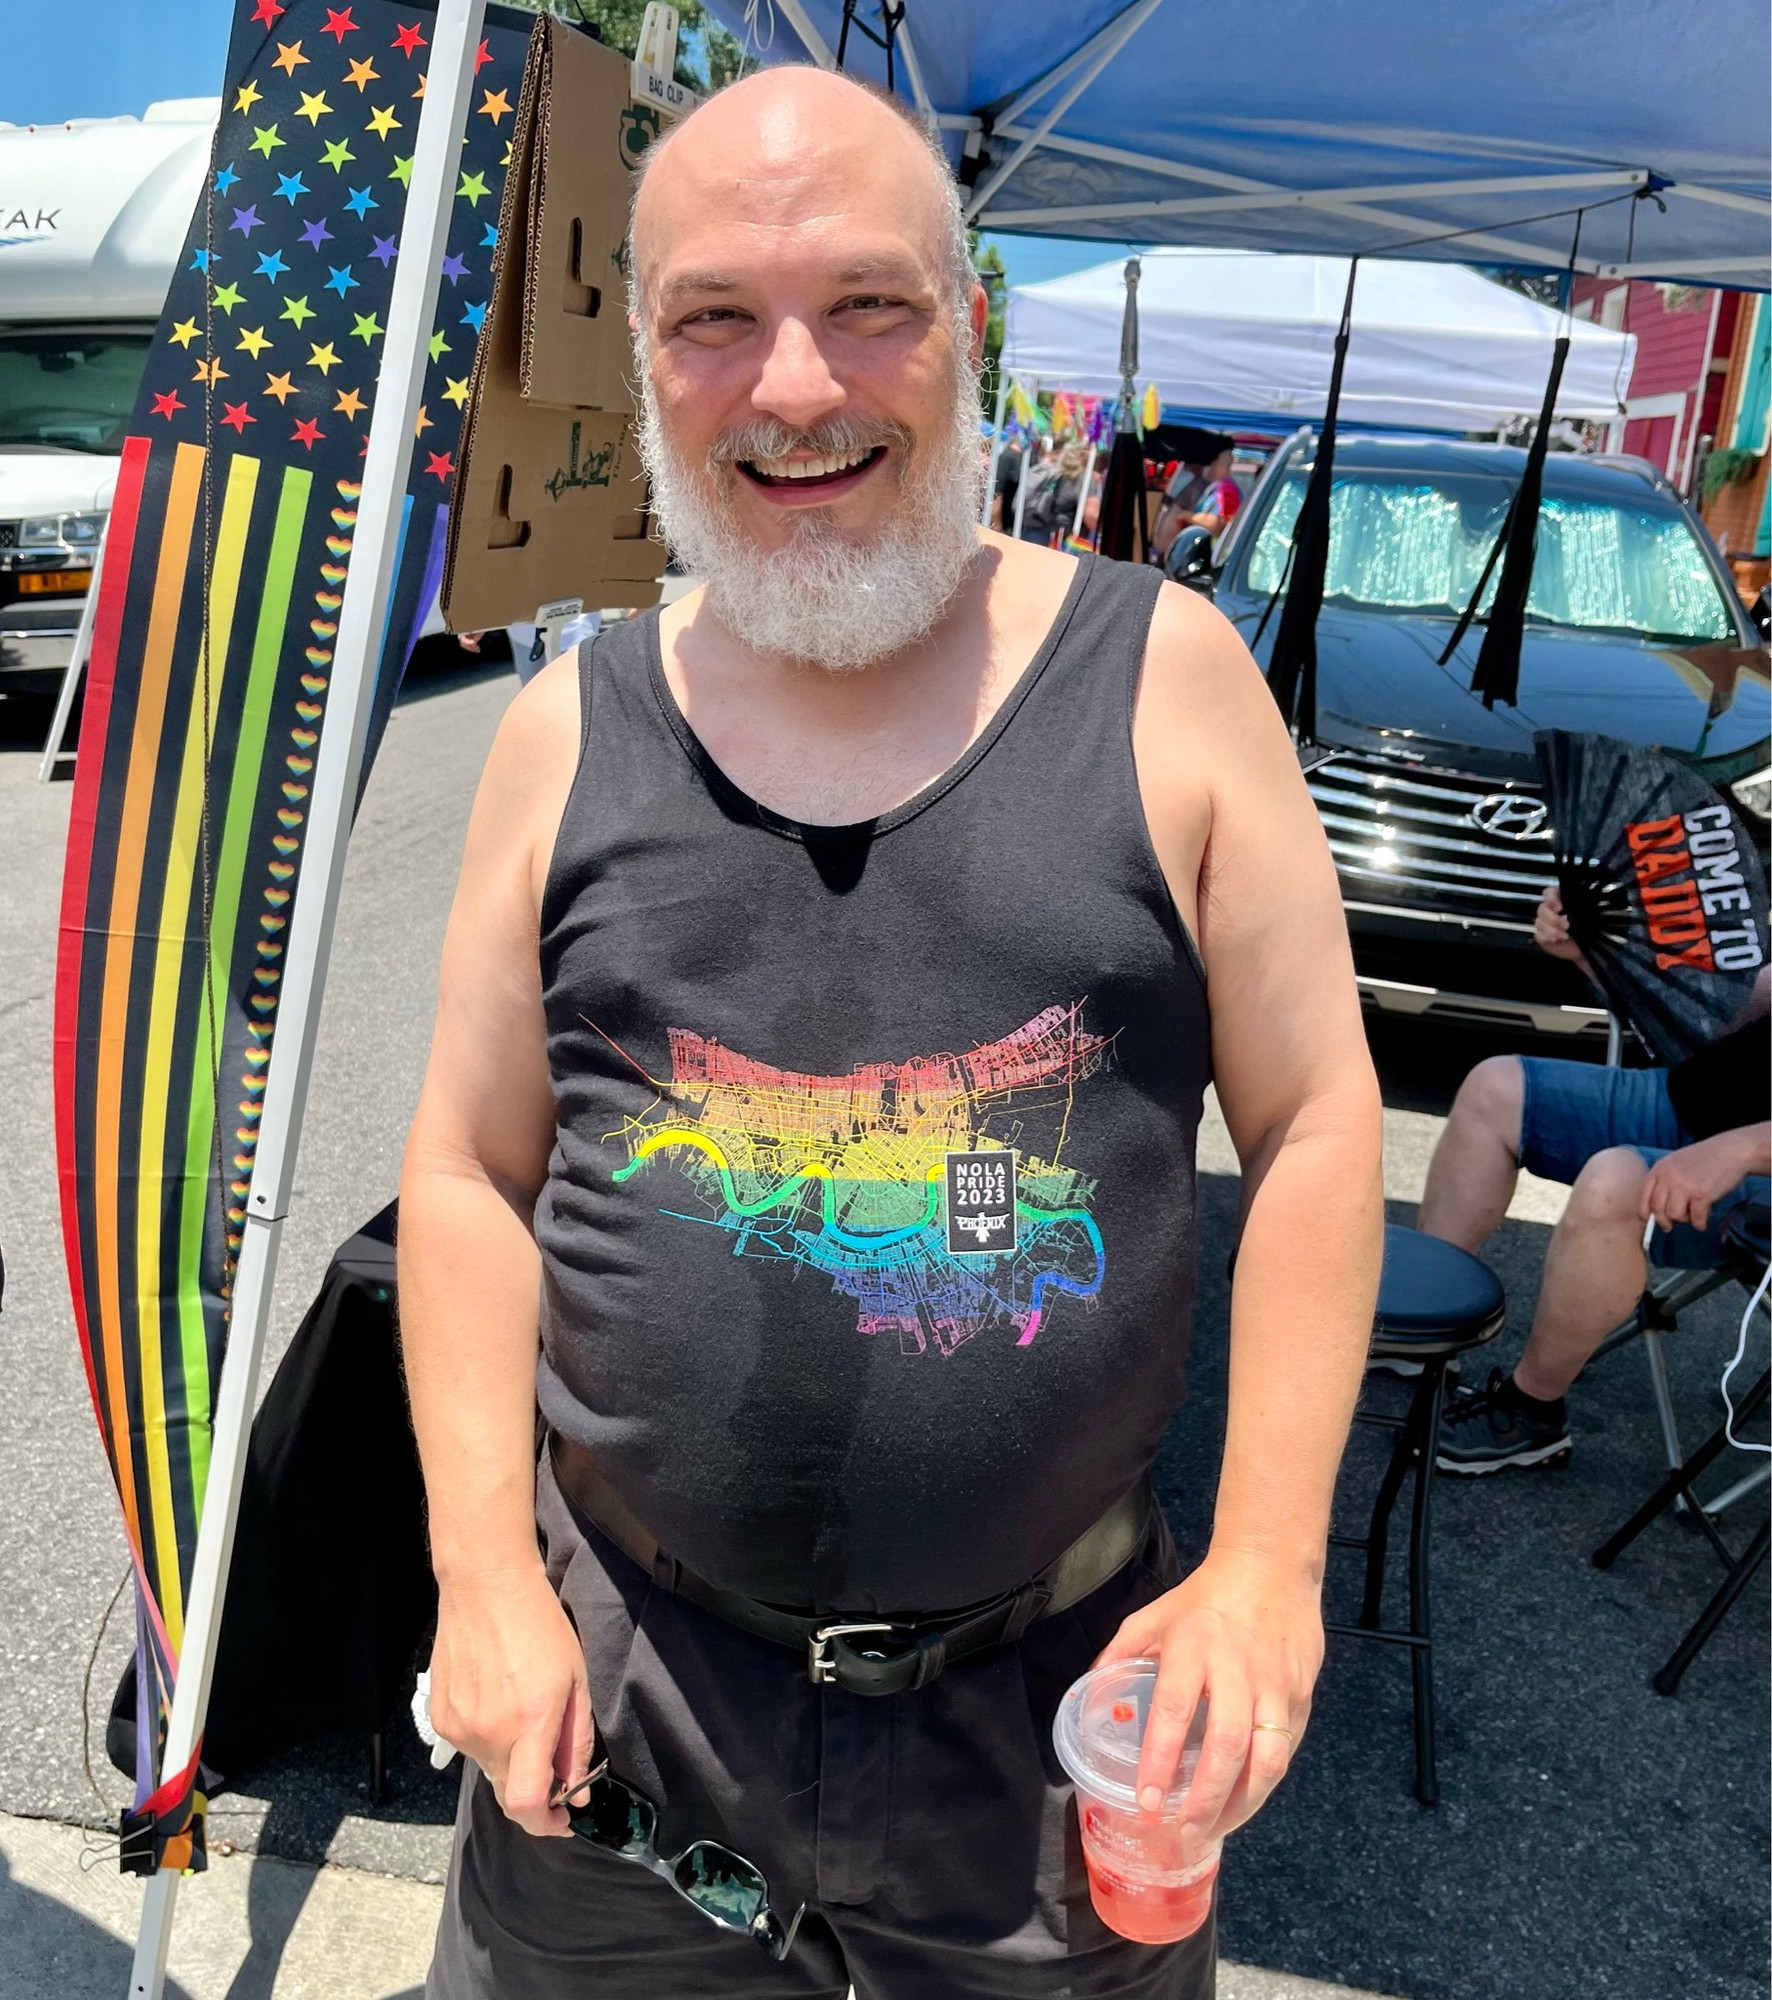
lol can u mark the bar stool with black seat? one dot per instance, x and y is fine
(1435, 1302)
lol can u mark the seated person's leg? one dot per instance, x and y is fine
(1593, 1276)
(1470, 1179)
(1541, 1113)
(1594, 1272)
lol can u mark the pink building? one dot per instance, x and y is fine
(1685, 334)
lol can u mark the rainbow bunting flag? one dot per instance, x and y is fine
(225, 564)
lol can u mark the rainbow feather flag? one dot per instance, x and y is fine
(225, 563)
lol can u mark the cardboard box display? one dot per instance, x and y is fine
(581, 147)
(550, 501)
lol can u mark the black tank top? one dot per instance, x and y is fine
(867, 1240)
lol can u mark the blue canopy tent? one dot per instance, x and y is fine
(1471, 134)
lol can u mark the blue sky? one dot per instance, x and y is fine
(59, 67)
(68, 63)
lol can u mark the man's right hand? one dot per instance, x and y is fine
(1550, 930)
(508, 1688)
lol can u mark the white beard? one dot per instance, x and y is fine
(820, 597)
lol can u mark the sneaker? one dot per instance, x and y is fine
(1483, 1430)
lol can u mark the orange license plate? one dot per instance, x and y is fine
(41, 580)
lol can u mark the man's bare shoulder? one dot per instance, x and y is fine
(530, 769)
(1205, 718)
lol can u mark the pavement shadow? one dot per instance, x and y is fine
(276, 1894)
(52, 1949)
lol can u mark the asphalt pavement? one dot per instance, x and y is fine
(1593, 1839)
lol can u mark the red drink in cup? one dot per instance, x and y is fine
(1148, 1879)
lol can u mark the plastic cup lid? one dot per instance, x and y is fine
(1099, 1730)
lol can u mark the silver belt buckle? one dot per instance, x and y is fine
(821, 1669)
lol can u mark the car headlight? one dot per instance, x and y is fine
(1755, 792)
(61, 531)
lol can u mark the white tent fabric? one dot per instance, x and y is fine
(1248, 336)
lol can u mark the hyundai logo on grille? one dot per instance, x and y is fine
(1511, 816)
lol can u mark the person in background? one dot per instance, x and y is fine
(1051, 510)
(1685, 1145)
(1199, 495)
(1010, 462)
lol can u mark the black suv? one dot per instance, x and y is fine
(1431, 802)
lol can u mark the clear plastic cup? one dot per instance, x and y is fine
(1148, 1878)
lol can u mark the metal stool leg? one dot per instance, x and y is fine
(1421, 1656)
(1378, 1534)
(1689, 1648)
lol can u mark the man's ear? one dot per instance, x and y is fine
(981, 312)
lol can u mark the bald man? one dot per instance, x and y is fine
(839, 959)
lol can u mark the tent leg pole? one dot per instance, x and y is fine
(71, 674)
(990, 485)
(338, 765)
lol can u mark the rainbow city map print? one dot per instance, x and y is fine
(913, 1186)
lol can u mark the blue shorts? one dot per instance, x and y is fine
(1574, 1110)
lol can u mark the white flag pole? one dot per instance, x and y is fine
(990, 485)
(338, 765)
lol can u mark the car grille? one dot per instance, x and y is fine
(8, 534)
(1403, 833)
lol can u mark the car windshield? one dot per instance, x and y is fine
(69, 388)
(1402, 543)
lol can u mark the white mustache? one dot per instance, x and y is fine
(838, 438)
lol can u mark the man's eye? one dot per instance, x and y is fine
(870, 302)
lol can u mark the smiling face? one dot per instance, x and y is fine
(806, 335)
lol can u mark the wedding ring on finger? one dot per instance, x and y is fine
(1279, 1729)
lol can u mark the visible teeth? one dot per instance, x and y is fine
(808, 468)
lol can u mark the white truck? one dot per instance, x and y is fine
(93, 216)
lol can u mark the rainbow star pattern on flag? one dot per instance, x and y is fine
(224, 569)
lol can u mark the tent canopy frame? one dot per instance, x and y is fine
(1029, 122)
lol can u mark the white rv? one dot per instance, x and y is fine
(93, 216)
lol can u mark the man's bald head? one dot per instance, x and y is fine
(785, 140)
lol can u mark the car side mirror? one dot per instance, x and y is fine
(1189, 560)
(1761, 613)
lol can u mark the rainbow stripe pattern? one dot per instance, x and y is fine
(225, 563)
(849, 1175)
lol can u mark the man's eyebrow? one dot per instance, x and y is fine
(901, 272)
(691, 284)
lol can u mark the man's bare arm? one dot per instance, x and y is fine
(507, 1673)
(1243, 850)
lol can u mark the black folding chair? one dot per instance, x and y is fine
(1746, 1242)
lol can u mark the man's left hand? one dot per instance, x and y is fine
(1682, 1186)
(1245, 1633)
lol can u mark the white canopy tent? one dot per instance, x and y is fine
(1246, 337)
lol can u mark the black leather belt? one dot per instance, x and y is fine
(897, 1654)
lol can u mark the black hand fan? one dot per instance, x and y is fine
(1663, 889)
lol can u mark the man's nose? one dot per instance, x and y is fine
(796, 385)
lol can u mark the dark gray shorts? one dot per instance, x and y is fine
(930, 1834)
